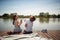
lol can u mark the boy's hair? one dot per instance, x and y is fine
(33, 17)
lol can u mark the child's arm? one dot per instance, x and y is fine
(25, 25)
(17, 23)
(20, 22)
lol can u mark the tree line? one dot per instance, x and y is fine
(41, 14)
(47, 15)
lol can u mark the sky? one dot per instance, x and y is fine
(29, 7)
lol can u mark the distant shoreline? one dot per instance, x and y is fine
(27, 17)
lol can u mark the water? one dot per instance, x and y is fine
(39, 24)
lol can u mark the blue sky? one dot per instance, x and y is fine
(29, 7)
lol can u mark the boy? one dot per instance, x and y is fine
(29, 25)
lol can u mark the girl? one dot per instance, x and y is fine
(16, 24)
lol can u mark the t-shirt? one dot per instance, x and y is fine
(29, 25)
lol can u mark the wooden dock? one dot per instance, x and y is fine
(51, 34)
(55, 35)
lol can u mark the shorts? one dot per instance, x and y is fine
(29, 32)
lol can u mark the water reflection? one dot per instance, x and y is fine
(5, 20)
(54, 19)
(58, 19)
(47, 20)
(48, 23)
(42, 20)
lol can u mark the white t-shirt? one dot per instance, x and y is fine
(29, 25)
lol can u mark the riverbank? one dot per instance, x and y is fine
(51, 34)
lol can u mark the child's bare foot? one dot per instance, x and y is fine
(9, 33)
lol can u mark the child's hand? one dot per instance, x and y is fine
(20, 22)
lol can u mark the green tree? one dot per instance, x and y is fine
(58, 16)
(46, 14)
(5, 15)
(11, 15)
(54, 16)
(41, 14)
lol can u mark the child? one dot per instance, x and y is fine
(29, 25)
(16, 24)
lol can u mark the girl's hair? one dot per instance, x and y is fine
(14, 19)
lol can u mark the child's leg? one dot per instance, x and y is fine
(25, 32)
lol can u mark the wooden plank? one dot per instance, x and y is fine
(53, 34)
(40, 33)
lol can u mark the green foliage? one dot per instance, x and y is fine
(5, 15)
(58, 16)
(41, 14)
